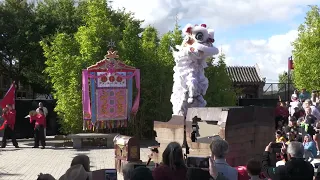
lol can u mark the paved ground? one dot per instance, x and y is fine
(26, 163)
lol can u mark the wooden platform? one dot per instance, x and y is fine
(78, 138)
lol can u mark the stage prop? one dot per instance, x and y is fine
(247, 129)
(127, 149)
(190, 83)
(107, 92)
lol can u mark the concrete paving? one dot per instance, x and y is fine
(26, 163)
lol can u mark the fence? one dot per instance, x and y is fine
(276, 90)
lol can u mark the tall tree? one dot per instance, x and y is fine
(221, 91)
(306, 52)
(67, 55)
(130, 44)
(18, 39)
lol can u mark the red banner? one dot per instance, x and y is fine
(290, 63)
(9, 98)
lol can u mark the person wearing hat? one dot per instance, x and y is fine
(76, 172)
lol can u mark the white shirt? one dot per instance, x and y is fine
(45, 110)
(315, 112)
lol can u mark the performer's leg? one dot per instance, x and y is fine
(13, 138)
(42, 137)
(4, 138)
(36, 137)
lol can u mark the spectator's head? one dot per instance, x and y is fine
(303, 90)
(293, 121)
(280, 124)
(219, 148)
(294, 97)
(295, 149)
(197, 173)
(296, 91)
(318, 125)
(282, 104)
(9, 106)
(76, 172)
(82, 160)
(141, 173)
(308, 111)
(254, 167)
(40, 105)
(307, 138)
(309, 102)
(278, 134)
(290, 136)
(172, 156)
(45, 177)
(127, 171)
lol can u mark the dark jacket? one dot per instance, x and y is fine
(294, 169)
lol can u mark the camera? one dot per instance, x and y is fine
(198, 162)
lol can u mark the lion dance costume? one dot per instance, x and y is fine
(190, 83)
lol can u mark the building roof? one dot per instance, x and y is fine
(245, 74)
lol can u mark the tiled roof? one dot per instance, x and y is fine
(244, 74)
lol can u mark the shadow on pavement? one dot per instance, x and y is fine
(7, 174)
(4, 149)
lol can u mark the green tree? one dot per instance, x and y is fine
(67, 55)
(18, 39)
(220, 91)
(63, 67)
(306, 52)
(130, 45)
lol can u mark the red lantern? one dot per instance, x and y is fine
(111, 78)
(104, 79)
(119, 78)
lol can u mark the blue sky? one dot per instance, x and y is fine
(250, 32)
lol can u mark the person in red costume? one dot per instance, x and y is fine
(9, 116)
(40, 124)
(281, 113)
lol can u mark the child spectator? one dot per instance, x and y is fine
(254, 169)
(279, 137)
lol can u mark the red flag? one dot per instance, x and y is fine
(290, 63)
(9, 98)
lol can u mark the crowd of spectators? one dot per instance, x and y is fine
(288, 157)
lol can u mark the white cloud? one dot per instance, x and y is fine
(216, 13)
(270, 54)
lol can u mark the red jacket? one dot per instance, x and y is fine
(40, 119)
(10, 118)
(282, 111)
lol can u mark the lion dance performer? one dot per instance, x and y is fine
(39, 121)
(190, 83)
(9, 116)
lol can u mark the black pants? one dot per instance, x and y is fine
(39, 136)
(7, 133)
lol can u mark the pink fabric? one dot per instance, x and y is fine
(110, 72)
(111, 104)
(86, 109)
(136, 103)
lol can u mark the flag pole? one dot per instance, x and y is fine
(289, 74)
